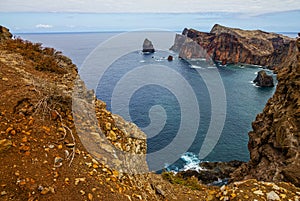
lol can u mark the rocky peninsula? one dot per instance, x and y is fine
(42, 157)
(232, 45)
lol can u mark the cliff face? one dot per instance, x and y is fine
(274, 143)
(231, 45)
(43, 156)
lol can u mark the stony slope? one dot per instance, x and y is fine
(42, 157)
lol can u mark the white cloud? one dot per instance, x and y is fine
(43, 26)
(141, 6)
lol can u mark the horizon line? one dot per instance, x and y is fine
(149, 12)
(118, 31)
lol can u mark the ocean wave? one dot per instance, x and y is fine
(198, 59)
(197, 67)
(191, 161)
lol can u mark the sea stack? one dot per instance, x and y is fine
(148, 46)
(263, 79)
(170, 58)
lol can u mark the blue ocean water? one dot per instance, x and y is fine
(244, 100)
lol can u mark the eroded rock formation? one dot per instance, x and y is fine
(231, 45)
(37, 124)
(148, 46)
(274, 143)
(263, 79)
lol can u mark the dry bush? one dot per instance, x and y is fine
(51, 98)
(44, 58)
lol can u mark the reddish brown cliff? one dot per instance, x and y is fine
(274, 143)
(231, 45)
(42, 157)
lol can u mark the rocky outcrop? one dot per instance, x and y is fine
(43, 158)
(231, 45)
(4, 33)
(148, 46)
(274, 143)
(213, 172)
(263, 79)
(188, 48)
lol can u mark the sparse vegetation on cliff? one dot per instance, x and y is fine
(43, 58)
(42, 157)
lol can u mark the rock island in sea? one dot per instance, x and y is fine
(42, 157)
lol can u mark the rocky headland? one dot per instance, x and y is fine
(44, 158)
(232, 45)
(274, 141)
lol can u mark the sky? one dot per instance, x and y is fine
(109, 6)
(115, 15)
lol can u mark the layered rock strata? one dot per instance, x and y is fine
(232, 45)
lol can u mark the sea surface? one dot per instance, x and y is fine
(243, 99)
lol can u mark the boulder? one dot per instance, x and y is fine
(170, 58)
(5, 145)
(148, 46)
(263, 79)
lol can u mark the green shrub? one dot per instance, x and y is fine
(191, 182)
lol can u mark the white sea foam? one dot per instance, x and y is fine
(198, 59)
(192, 162)
(198, 67)
(142, 61)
